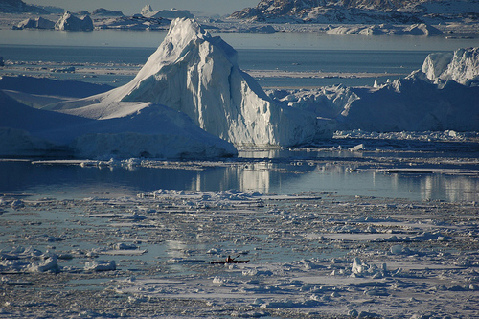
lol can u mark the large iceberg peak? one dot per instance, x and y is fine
(184, 36)
(198, 74)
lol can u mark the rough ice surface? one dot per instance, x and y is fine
(310, 255)
(35, 23)
(462, 66)
(198, 74)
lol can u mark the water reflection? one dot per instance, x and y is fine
(266, 176)
(452, 188)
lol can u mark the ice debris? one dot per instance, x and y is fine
(21, 259)
(100, 265)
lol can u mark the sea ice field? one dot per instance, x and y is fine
(361, 225)
(96, 239)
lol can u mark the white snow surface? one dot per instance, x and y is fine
(198, 74)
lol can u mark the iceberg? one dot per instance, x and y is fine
(147, 11)
(135, 130)
(198, 74)
(441, 96)
(35, 23)
(69, 22)
(462, 66)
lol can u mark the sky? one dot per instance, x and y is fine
(129, 7)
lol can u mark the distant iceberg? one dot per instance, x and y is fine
(70, 22)
(147, 11)
(35, 23)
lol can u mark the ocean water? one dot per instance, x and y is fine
(280, 40)
(73, 181)
(392, 65)
(386, 57)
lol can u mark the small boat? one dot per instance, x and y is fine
(230, 260)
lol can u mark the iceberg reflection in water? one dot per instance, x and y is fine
(352, 176)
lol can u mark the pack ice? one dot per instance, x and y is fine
(198, 75)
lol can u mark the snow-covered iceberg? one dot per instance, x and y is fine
(69, 22)
(35, 23)
(198, 74)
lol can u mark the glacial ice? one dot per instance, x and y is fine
(192, 100)
(198, 74)
(138, 130)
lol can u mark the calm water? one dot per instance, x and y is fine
(280, 40)
(395, 64)
(393, 56)
(64, 181)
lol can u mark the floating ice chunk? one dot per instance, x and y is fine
(100, 266)
(396, 249)
(360, 268)
(357, 147)
(17, 204)
(256, 272)
(125, 246)
(49, 264)
(219, 281)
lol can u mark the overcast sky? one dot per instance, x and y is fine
(131, 6)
